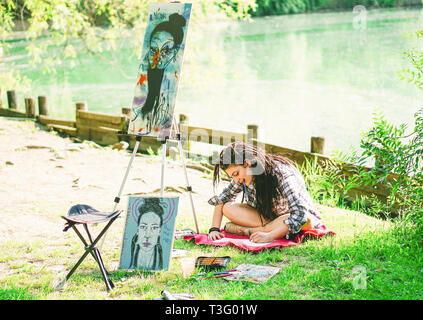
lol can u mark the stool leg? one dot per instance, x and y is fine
(77, 264)
(93, 242)
(83, 240)
(93, 251)
(109, 283)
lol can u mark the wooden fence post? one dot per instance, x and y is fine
(81, 106)
(42, 106)
(12, 99)
(125, 121)
(81, 133)
(30, 107)
(126, 111)
(317, 145)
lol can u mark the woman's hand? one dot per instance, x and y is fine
(215, 235)
(260, 237)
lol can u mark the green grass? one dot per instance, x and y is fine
(15, 294)
(388, 258)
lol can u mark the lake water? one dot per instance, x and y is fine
(295, 76)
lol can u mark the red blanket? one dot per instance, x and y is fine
(245, 244)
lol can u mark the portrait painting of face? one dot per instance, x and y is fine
(159, 71)
(162, 50)
(148, 237)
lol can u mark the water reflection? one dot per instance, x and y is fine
(294, 76)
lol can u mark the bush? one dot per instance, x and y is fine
(398, 162)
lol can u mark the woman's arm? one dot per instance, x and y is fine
(216, 221)
(228, 194)
(294, 190)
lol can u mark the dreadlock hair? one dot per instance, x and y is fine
(263, 167)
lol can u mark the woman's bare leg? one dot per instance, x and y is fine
(278, 223)
(261, 230)
(275, 229)
(243, 215)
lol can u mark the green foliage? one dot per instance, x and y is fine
(414, 73)
(398, 162)
(58, 30)
(394, 151)
(395, 158)
(6, 17)
(324, 182)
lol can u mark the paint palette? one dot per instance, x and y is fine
(212, 262)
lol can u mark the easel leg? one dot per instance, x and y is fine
(181, 154)
(164, 150)
(188, 185)
(134, 152)
(117, 199)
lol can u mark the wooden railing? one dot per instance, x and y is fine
(102, 129)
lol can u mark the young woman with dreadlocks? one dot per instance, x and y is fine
(277, 201)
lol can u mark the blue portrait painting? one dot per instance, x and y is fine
(148, 236)
(159, 70)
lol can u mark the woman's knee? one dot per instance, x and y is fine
(241, 214)
(228, 209)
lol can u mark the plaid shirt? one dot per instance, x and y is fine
(295, 199)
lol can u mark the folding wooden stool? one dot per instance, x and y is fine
(84, 214)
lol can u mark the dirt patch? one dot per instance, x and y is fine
(42, 175)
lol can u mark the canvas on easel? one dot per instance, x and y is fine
(159, 70)
(152, 112)
(148, 236)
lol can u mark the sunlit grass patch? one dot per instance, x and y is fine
(368, 258)
(13, 293)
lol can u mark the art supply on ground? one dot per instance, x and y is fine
(176, 296)
(217, 273)
(184, 296)
(188, 266)
(212, 262)
(253, 273)
(168, 296)
(220, 274)
(177, 253)
(180, 234)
